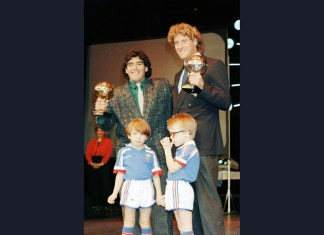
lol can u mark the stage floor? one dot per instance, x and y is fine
(110, 223)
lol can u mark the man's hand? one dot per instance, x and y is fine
(195, 78)
(101, 104)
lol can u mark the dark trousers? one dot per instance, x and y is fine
(208, 212)
(100, 185)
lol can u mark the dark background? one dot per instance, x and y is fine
(113, 20)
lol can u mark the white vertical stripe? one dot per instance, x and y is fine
(140, 97)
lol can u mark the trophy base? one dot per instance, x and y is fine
(98, 113)
(191, 88)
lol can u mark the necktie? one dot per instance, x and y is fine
(183, 79)
(185, 76)
(140, 97)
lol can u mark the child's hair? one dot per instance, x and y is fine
(184, 120)
(140, 125)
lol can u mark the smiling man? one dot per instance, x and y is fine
(213, 95)
(154, 106)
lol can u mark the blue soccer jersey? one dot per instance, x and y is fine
(137, 164)
(187, 156)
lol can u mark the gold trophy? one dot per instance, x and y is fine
(104, 91)
(196, 63)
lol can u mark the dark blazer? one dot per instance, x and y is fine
(157, 110)
(214, 96)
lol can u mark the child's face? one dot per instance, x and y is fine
(137, 139)
(178, 135)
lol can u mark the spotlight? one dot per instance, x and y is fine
(230, 43)
(237, 25)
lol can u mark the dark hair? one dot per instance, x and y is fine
(98, 127)
(141, 54)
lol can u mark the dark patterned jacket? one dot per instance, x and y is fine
(214, 96)
(157, 110)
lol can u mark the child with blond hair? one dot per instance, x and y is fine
(182, 169)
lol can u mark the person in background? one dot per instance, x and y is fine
(183, 169)
(141, 97)
(136, 166)
(98, 153)
(203, 106)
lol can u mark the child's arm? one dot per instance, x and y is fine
(173, 166)
(157, 185)
(118, 184)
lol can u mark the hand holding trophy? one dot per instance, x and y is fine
(104, 91)
(196, 63)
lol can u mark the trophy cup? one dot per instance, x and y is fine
(104, 91)
(196, 63)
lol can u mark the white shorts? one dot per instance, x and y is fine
(137, 193)
(178, 195)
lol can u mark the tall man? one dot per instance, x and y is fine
(204, 106)
(150, 99)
